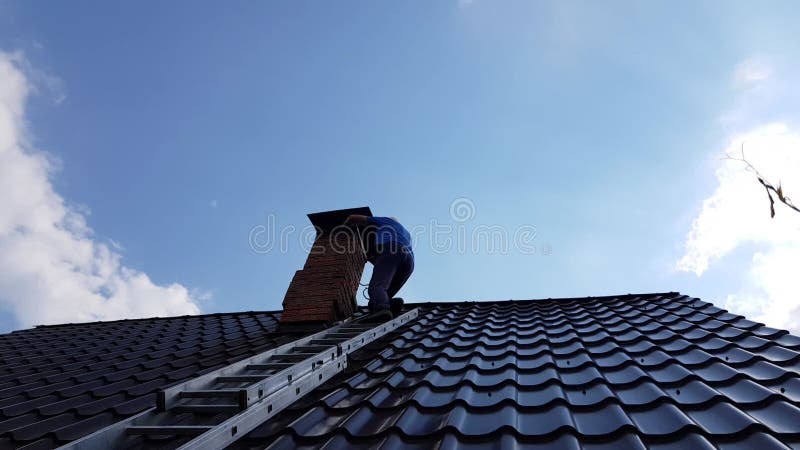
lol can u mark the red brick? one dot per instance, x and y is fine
(327, 286)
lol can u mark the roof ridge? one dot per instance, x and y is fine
(559, 299)
(230, 313)
(237, 313)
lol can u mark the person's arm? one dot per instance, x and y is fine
(357, 219)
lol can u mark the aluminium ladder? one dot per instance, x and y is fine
(215, 409)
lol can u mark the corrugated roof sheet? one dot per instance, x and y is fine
(650, 371)
(637, 371)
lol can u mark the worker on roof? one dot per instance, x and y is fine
(389, 251)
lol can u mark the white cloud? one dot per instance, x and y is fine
(751, 71)
(52, 269)
(737, 213)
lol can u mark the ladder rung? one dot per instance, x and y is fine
(219, 393)
(356, 327)
(312, 348)
(331, 342)
(241, 378)
(205, 409)
(292, 357)
(169, 430)
(347, 333)
(269, 366)
(260, 387)
(343, 336)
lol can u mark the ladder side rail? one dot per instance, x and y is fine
(306, 376)
(114, 435)
(261, 410)
(288, 376)
(168, 397)
(281, 379)
(378, 331)
(239, 425)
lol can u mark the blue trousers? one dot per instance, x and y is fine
(391, 269)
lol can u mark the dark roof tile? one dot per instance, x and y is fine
(600, 422)
(721, 419)
(688, 441)
(669, 376)
(113, 387)
(693, 392)
(99, 405)
(663, 419)
(27, 406)
(39, 389)
(136, 405)
(8, 424)
(77, 389)
(83, 427)
(661, 371)
(12, 400)
(56, 374)
(61, 406)
(39, 444)
(713, 372)
(789, 388)
(41, 427)
(780, 416)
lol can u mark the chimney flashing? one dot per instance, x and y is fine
(328, 220)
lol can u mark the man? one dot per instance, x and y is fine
(392, 259)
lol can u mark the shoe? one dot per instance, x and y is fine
(396, 306)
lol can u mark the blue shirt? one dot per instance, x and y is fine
(390, 230)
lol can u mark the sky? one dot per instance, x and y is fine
(159, 158)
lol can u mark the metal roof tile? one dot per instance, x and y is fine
(761, 370)
(715, 371)
(83, 427)
(687, 441)
(61, 406)
(789, 388)
(99, 405)
(721, 418)
(779, 416)
(693, 392)
(540, 395)
(745, 391)
(8, 424)
(41, 427)
(759, 441)
(661, 371)
(638, 394)
(27, 406)
(662, 419)
(135, 405)
(602, 422)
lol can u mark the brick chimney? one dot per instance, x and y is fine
(325, 289)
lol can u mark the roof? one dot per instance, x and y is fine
(59, 383)
(634, 371)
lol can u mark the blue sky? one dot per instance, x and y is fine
(172, 129)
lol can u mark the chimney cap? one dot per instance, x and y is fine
(328, 220)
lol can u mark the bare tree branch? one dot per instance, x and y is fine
(768, 187)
